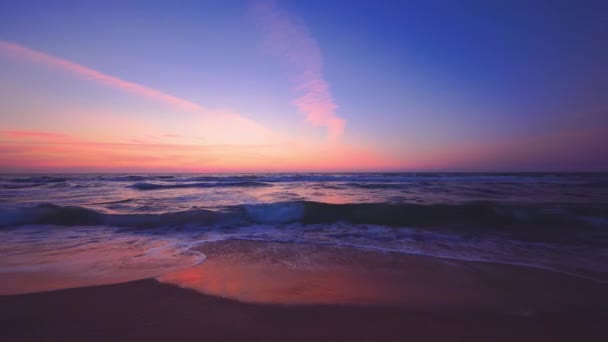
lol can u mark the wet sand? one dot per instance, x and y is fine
(251, 291)
(305, 274)
(151, 311)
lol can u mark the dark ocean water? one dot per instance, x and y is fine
(551, 221)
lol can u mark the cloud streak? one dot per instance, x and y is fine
(33, 134)
(291, 40)
(23, 52)
(221, 123)
(232, 141)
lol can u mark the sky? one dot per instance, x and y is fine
(241, 86)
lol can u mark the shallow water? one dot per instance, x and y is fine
(106, 228)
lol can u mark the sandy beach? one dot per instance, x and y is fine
(305, 274)
(316, 293)
(150, 311)
(314, 171)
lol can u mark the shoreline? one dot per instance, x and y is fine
(284, 292)
(148, 310)
(306, 274)
(312, 274)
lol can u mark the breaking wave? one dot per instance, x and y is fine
(471, 215)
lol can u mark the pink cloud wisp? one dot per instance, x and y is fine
(291, 40)
(84, 72)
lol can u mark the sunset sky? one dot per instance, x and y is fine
(206, 86)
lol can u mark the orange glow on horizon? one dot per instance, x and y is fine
(51, 151)
(232, 142)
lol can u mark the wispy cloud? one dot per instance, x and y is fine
(232, 142)
(33, 134)
(84, 72)
(291, 40)
(221, 123)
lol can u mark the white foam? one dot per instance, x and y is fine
(568, 259)
(82, 256)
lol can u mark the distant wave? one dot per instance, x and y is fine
(354, 178)
(473, 215)
(133, 178)
(38, 179)
(19, 186)
(126, 200)
(598, 184)
(363, 185)
(156, 186)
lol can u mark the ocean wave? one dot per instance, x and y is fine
(50, 214)
(371, 185)
(588, 179)
(133, 178)
(156, 186)
(598, 184)
(476, 214)
(126, 200)
(38, 179)
(517, 218)
(329, 177)
(18, 186)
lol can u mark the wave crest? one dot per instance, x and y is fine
(471, 215)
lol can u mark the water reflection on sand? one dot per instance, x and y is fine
(308, 274)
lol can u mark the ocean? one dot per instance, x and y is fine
(105, 228)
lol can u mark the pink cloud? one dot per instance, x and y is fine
(225, 121)
(33, 134)
(291, 40)
(84, 72)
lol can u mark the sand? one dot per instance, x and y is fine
(248, 291)
(278, 273)
(150, 311)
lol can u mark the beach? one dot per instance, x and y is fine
(352, 295)
(303, 257)
(150, 311)
(314, 171)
